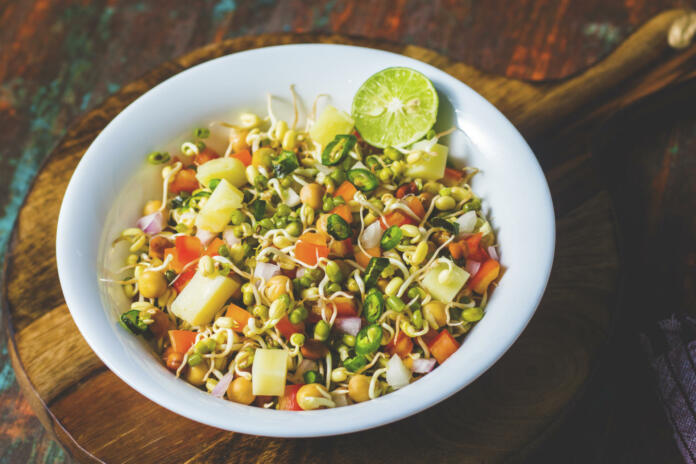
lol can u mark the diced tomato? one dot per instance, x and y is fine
(345, 306)
(287, 328)
(486, 274)
(406, 189)
(430, 336)
(343, 211)
(160, 327)
(364, 259)
(240, 317)
(395, 218)
(443, 346)
(184, 278)
(214, 246)
(309, 251)
(181, 340)
(455, 249)
(415, 205)
(205, 155)
(346, 191)
(184, 181)
(473, 248)
(313, 349)
(453, 174)
(176, 265)
(342, 248)
(401, 345)
(244, 156)
(313, 238)
(288, 402)
(188, 248)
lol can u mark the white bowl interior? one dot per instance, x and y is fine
(112, 182)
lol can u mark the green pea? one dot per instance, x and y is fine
(195, 359)
(312, 377)
(473, 205)
(321, 331)
(348, 340)
(260, 181)
(266, 223)
(352, 285)
(327, 204)
(260, 311)
(298, 315)
(338, 176)
(280, 221)
(384, 174)
(395, 304)
(306, 281)
(224, 251)
(415, 292)
(333, 272)
(297, 339)
(393, 154)
(472, 314)
(333, 288)
(294, 229)
(248, 298)
(283, 210)
(202, 347)
(417, 319)
(237, 217)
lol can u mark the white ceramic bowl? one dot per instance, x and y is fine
(111, 183)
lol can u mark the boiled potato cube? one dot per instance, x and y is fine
(202, 297)
(443, 283)
(329, 124)
(432, 165)
(230, 169)
(268, 372)
(216, 212)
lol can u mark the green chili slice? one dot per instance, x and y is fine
(131, 321)
(368, 339)
(391, 237)
(337, 149)
(355, 363)
(363, 179)
(158, 157)
(312, 377)
(258, 209)
(202, 132)
(285, 163)
(451, 227)
(373, 306)
(374, 269)
(337, 227)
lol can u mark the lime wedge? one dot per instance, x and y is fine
(395, 107)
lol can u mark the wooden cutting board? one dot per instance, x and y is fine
(501, 416)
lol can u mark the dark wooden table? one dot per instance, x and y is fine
(58, 59)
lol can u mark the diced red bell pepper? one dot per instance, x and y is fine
(443, 346)
(184, 181)
(430, 336)
(345, 307)
(395, 218)
(486, 274)
(416, 206)
(214, 247)
(240, 317)
(188, 248)
(205, 155)
(342, 248)
(343, 211)
(406, 189)
(287, 328)
(184, 278)
(288, 402)
(401, 345)
(364, 259)
(181, 340)
(176, 265)
(473, 248)
(244, 156)
(346, 191)
(310, 247)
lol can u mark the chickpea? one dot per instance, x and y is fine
(151, 207)
(240, 391)
(323, 223)
(276, 286)
(434, 313)
(238, 140)
(311, 195)
(157, 246)
(311, 396)
(174, 360)
(358, 388)
(195, 374)
(152, 284)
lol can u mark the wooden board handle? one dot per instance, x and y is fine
(660, 53)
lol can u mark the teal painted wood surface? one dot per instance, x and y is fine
(60, 58)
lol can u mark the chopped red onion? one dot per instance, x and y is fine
(472, 266)
(423, 366)
(152, 223)
(293, 199)
(493, 253)
(467, 222)
(349, 325)
(229, 237)
(300, 272)
(221, 387)
(204, 236)
(397, 374)
(372, 235)
(266, 270)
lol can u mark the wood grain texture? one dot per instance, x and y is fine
(548, 366)
(59, 57)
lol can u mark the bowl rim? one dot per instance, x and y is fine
(359, 414)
